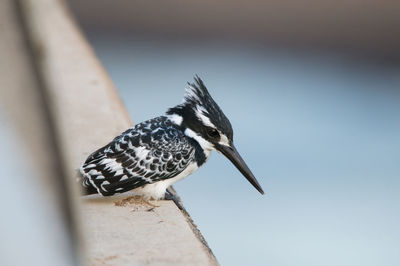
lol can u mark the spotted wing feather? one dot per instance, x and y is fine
(151, 151)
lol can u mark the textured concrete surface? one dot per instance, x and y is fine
(140, 234)
(86, 106)
(88, 113)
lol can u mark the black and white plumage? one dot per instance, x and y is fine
(154, 154)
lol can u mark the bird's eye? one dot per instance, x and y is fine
(213, 133)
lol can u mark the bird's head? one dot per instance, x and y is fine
(203, 120)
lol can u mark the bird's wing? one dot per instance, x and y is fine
(151, 151)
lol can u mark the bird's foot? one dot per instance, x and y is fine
(171, 196)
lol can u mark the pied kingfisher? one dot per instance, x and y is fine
(154, 154)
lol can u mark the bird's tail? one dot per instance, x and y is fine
(85, 186)
(89, 190)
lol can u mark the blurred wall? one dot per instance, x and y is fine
(361, 28)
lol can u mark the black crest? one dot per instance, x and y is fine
(197, 100)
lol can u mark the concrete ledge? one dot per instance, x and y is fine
(88, 113)
(37, 220)
(140, 234)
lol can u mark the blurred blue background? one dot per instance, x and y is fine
(319, 127)
(320, 133)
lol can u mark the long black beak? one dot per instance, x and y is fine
(233, 155)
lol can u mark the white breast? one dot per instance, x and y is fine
(157, 190)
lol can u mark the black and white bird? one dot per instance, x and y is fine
(154, 154)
